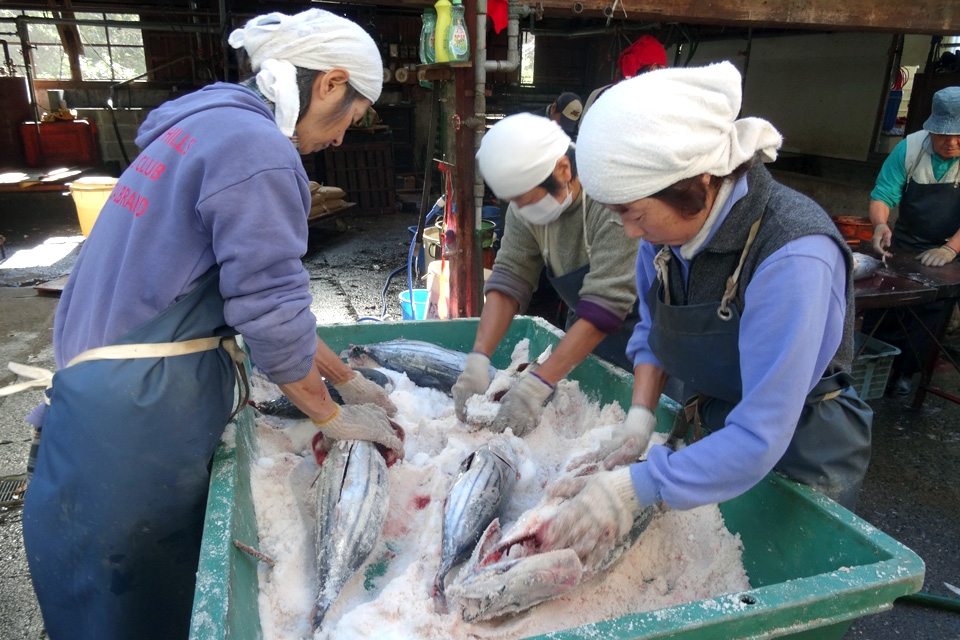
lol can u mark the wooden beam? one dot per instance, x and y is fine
(935, 17)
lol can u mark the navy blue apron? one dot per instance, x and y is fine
(929, 216)
(114, 514)
(613, 348)
(830, 448)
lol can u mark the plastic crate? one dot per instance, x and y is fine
(871, 369)
(814, 566)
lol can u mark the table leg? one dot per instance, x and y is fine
(933, 354)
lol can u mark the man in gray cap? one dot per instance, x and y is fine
(921, 175)
(565, 111)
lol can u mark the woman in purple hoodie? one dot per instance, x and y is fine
(200, 240)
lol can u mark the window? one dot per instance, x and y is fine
(111, 53)
(526, 58)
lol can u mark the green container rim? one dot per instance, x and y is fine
(866, 569)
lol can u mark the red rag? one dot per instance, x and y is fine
(497, 10)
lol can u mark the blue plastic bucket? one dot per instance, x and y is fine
(490, 213)
(418, 311)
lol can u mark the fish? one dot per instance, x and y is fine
(483, 486)
(508, 574)
(352, 498)
(427, 365)
(283, 407)
(865, 266)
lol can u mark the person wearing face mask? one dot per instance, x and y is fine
(201, 239)
(528, 160)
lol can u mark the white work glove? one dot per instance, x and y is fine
(521, 406)
(360, 422)
(599, 513)
(359, 390)
(937, 257)
(473, 381)
(627, 442)
(882, 235)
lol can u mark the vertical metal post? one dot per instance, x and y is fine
(31, 89)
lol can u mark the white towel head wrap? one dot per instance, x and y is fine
(313, 39)
(520, 152)
(649, 132)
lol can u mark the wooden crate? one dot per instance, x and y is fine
(364, 170)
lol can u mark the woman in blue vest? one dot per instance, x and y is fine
(922, 176)
(204, 245)
(746, 296)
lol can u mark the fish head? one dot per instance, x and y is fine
(358, 356)
(509, 587)
(389, 455)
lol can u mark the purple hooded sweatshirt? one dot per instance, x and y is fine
(217, 183)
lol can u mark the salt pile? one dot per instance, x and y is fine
(684, 556)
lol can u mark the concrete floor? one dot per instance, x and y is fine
(911, 491)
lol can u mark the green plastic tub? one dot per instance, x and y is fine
(814, 566)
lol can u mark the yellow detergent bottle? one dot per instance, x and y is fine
(443, 27)
(458, 42)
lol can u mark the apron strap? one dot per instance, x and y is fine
(38, 377)
(723, 311)
(660, 262)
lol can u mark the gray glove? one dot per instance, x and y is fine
(361, 422)
(520, 408)
(473, 381)
(882, 235)
(359, 390)
(599, 514)
(937, 257)
(627, 442)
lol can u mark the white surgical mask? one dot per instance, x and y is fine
(546, 209)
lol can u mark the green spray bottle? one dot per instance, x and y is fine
(428, 53)
(458, 40)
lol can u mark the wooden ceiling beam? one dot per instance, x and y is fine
(934, 17)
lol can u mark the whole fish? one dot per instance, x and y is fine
(864, 266)
(283, 407)
(509, 574)
(427, 365)
(483, 486)
(352, 500)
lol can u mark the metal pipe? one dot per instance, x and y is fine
(8, 61)
(480, 68)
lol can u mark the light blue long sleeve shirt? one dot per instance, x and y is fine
(786, 344)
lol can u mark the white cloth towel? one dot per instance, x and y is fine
(519, 152)
(649, 132)
(313, 39)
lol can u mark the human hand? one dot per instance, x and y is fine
(473, 381)
(937, 257)
(882, 235)
(359, 390)
(626, 443)
(599, 513)
(521, 406)
(360, 422)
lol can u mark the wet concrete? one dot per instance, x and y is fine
(911, 491)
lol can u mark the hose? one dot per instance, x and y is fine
(383, 297)
(932, 601)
